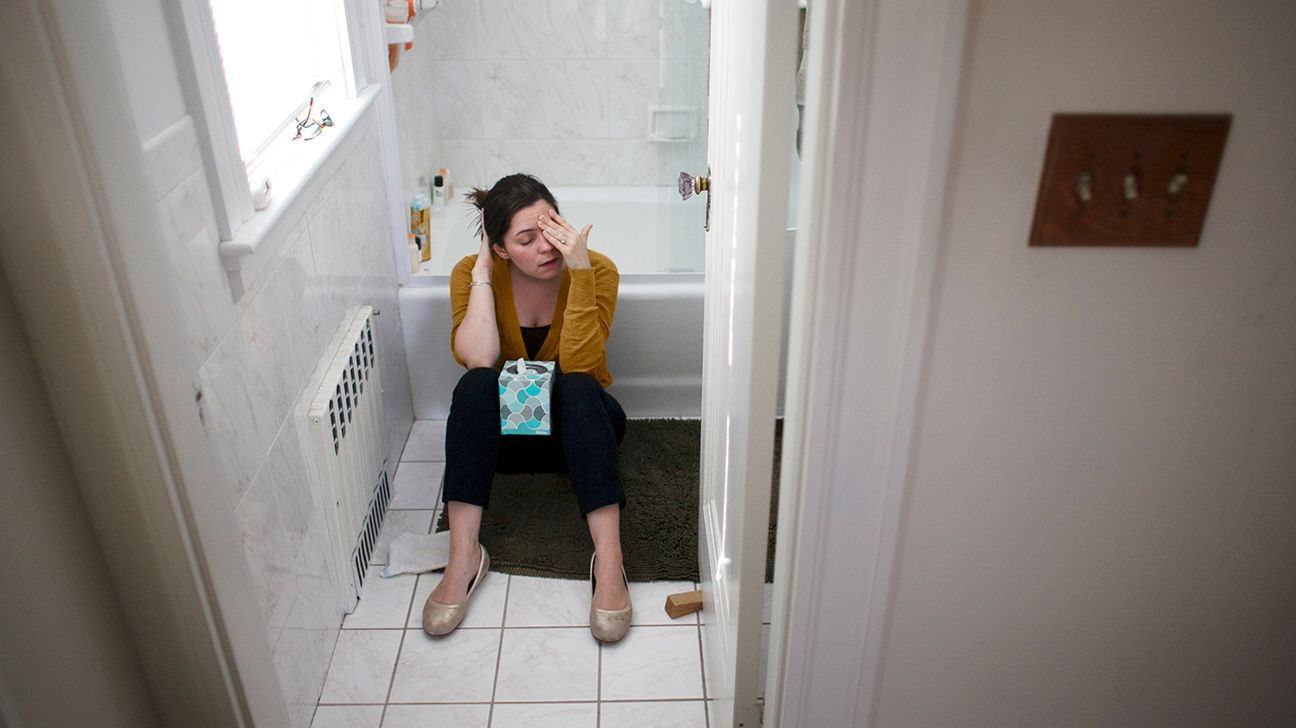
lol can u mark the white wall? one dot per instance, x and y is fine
(56, 577)
(560, 90)
(1102, 518)
(253, 358)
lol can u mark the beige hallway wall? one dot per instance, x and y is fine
(1102, 518)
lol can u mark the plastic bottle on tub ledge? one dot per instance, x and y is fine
(438, 193)
(420, 225)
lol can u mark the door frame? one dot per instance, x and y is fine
(882, 98)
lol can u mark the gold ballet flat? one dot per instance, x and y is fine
(441, 619)
(609, 625)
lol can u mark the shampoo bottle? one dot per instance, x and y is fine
(438, 192)
(420, 225)
(449, 183)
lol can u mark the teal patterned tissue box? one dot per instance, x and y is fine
(524, 388)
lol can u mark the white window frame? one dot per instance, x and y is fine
(241, 228)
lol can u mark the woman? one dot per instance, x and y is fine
(534, 289)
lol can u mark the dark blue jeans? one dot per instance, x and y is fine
(588, 426)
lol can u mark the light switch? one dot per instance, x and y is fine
(1128, 179)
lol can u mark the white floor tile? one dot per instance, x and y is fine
(417, 485)
(653, 662)
(536, 602)
(545, 715)
(449, 716)
(362, 666)
(398, 522)
(459, 667)
(650, 602)
(486, 609)
(665, 714)
(383, 602)
(347, 716)
(766, 608)
(426, 442)
(548, 664)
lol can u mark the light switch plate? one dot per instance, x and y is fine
(1122, 180)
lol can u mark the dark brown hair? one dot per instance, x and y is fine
(499, 204)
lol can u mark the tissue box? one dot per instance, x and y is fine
(524, 388)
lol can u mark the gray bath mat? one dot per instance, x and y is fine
(533, 526)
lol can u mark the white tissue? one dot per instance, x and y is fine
(414, 553)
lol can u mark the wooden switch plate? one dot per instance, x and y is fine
(1128, 180)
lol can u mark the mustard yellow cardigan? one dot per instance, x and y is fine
(581, 322)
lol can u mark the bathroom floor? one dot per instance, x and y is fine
(523, 656)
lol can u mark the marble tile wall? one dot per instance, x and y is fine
(253, 359)
(560, 89)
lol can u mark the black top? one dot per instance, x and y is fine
(533, 337)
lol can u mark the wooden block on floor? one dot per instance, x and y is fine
(678, 605)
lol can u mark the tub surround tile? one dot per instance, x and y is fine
(417, 485)
(348, 716)
(459, 100)
(397, 522)
(546, 715)
(459, 667)
(634, 29)
(512, 29)
(558, 162)
(450, 716)
(657, 714)
(653, 662)
(538, 602)
(485, 610)
(633, 86)
(575, 29)
(362, 666)
(548, 664)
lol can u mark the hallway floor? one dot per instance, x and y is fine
(523, 656)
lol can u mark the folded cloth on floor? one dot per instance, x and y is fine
(414, 553)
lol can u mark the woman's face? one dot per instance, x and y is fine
(527, 249)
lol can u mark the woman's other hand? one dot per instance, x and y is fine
(573, 245)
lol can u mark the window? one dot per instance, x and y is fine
(276, 55)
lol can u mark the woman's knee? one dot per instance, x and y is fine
(577, 390)
(476, 383)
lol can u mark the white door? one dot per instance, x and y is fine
(749, 147)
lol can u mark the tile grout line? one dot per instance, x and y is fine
(499, 651)
(598, 705)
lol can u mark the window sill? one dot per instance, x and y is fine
(302, 173)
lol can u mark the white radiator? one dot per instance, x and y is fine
(345, 421)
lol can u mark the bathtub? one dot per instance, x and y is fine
(655, 349)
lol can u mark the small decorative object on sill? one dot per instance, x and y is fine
(261, 194)
(311, 127)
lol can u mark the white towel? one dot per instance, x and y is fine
(414, 553)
